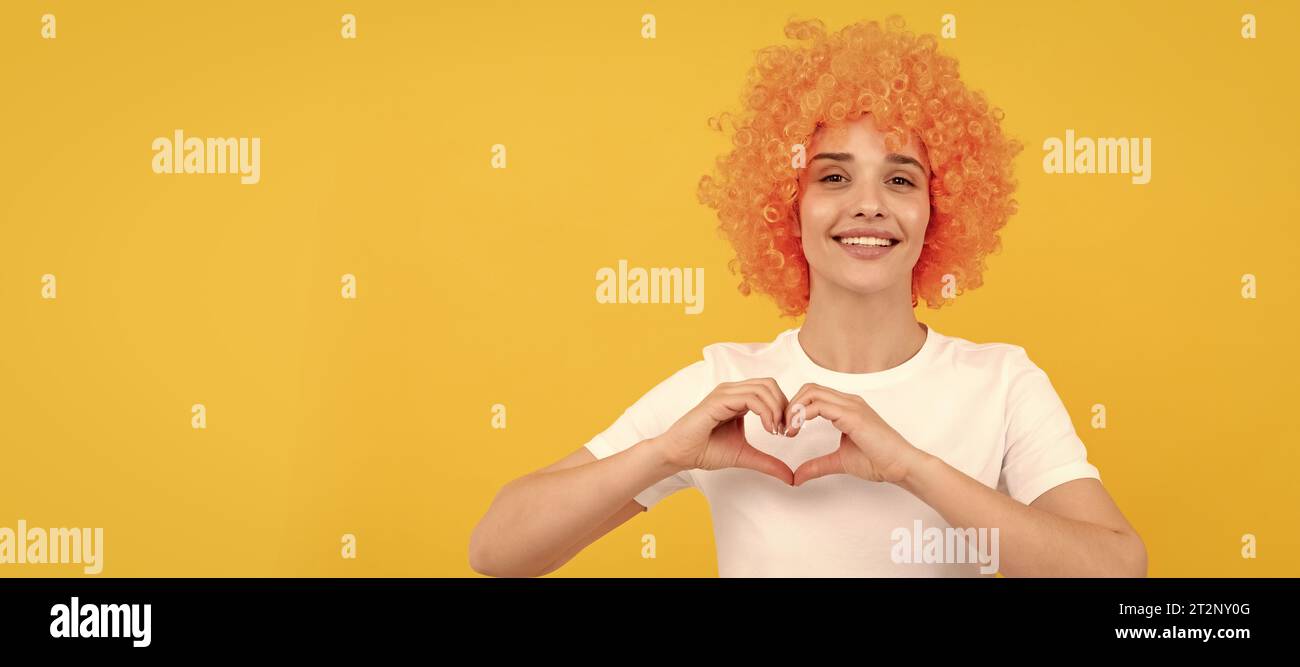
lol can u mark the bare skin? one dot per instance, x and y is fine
(540, 521)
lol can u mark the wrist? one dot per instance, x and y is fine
(661, 457)
(918, 465)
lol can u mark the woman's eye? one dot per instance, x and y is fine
(828, 176)
(904, 180)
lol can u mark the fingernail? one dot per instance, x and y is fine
(796, 419)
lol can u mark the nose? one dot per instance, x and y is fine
(869, 202)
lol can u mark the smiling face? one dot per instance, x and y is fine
(852, 189)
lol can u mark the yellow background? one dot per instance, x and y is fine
(476, 285)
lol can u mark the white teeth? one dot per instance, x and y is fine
(865, 240)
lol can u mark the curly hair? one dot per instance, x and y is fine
(909, 88)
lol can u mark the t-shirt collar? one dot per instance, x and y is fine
(850, 381)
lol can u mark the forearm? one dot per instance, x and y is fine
(534, 520)
(1031, 542)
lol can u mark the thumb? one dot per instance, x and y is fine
(765, 463)
(830, 464)
(751, 458)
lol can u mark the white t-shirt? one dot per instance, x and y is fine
(984, 408)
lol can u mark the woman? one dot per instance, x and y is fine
(864, 443)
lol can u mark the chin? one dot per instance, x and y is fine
(862, 287)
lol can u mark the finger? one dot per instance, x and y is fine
(739, 399)
(798, 415)
(765, 463)
(794, 414)
(778, 397)
(805, 393)
(770, 397)
(818, 403)
(800, 412)
(803, 390)
(830, 464)
(823, 390)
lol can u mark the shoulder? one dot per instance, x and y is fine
(717, 363)
(731, 350)
(1005, 359)
(1002, 371)
(728, 360)
(722, 361)
(725, 362)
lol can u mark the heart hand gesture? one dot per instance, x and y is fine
(869, 448)
(712, 434)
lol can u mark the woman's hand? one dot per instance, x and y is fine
(869, 448)
(712, 434)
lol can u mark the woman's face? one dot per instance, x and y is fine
(852, 187)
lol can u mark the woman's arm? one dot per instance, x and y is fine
(538, 522)
(541, 520)
(1072, 530)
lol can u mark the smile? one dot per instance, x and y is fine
(866, 247)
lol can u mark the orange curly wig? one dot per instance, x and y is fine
(908, 87)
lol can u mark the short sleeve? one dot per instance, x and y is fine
(1042, 449)
(651, 416)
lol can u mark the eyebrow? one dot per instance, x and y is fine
(895, 158)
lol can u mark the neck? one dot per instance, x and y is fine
(851, 332)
